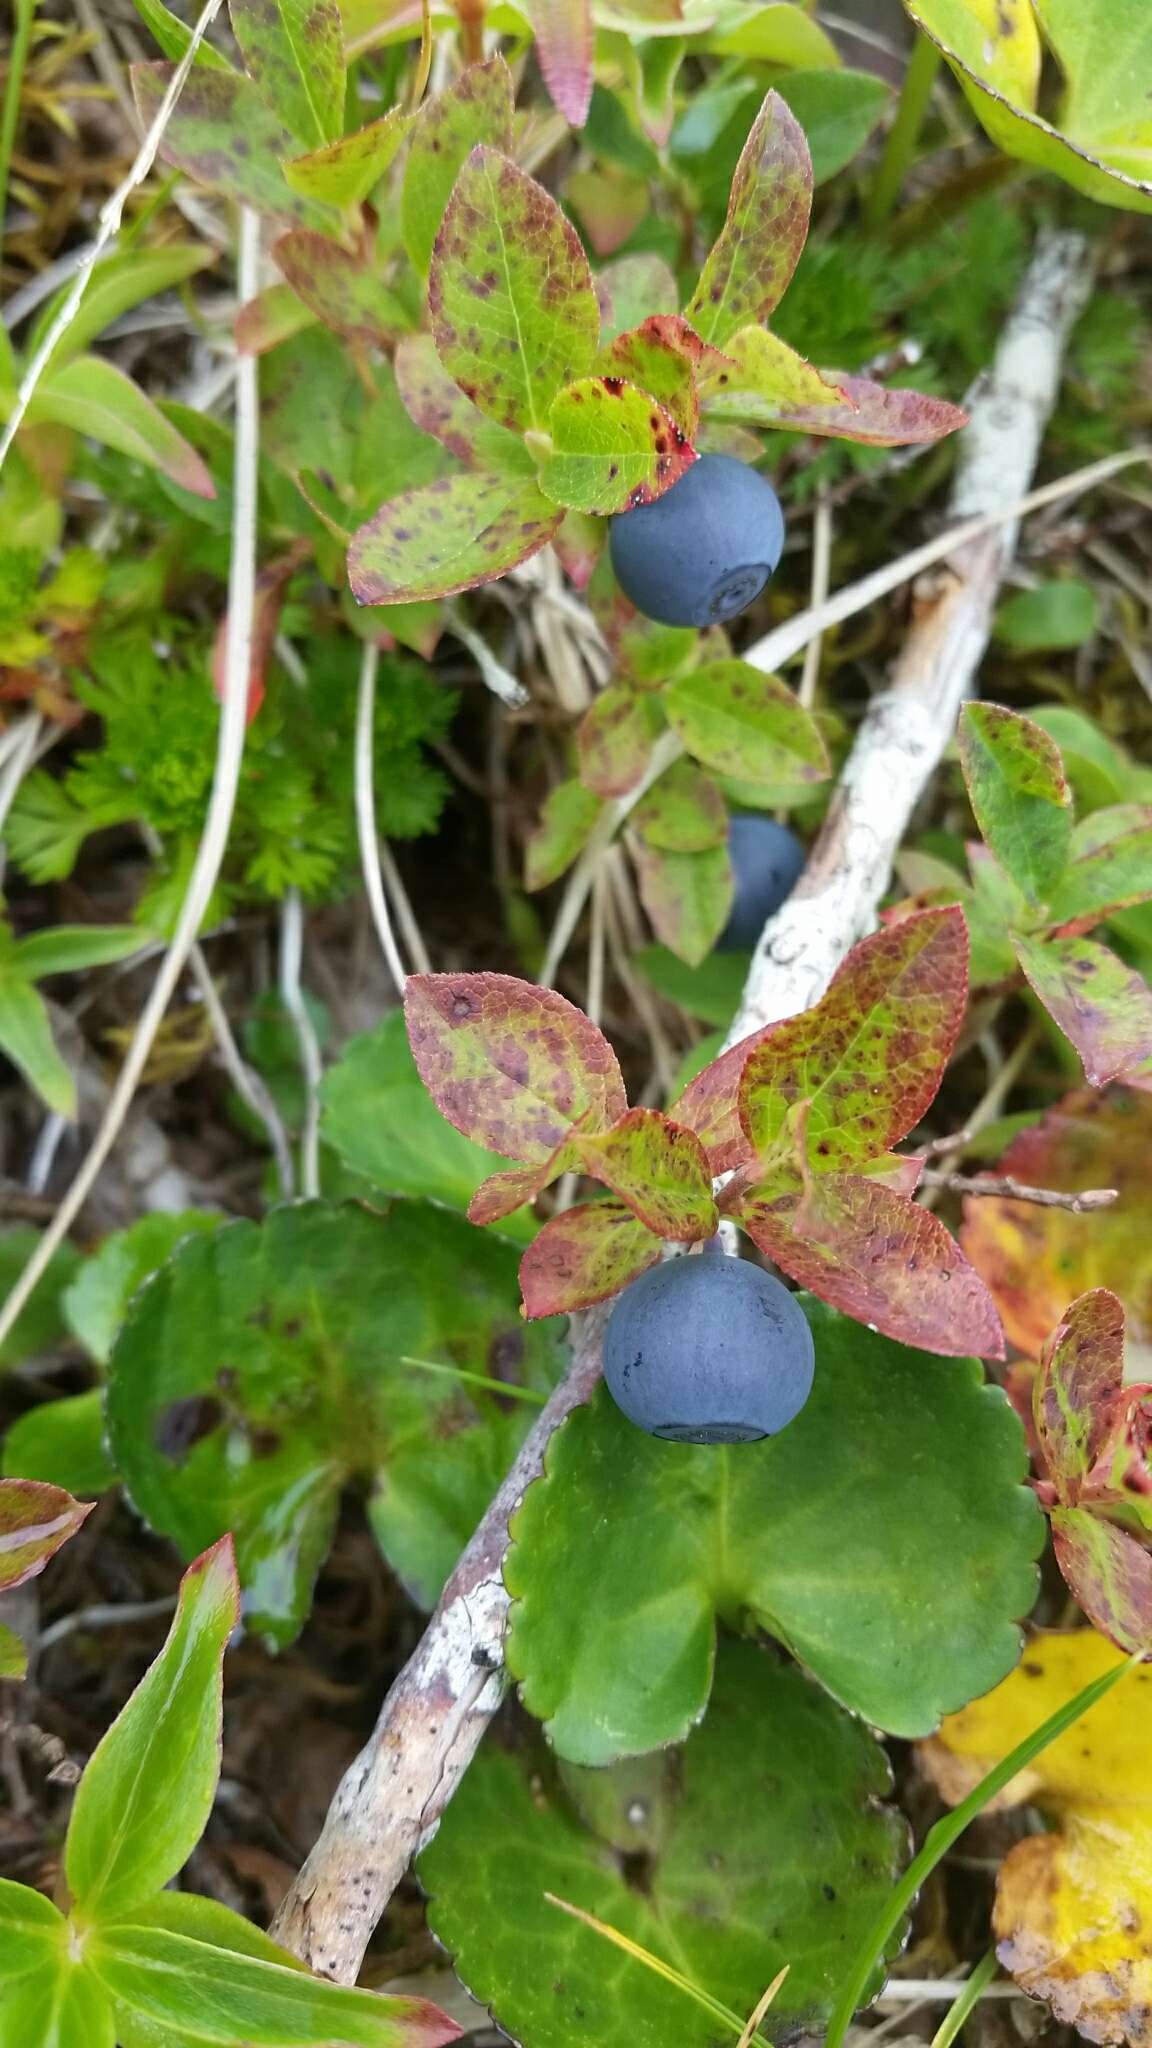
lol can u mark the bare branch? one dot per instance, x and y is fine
(1019, 1190)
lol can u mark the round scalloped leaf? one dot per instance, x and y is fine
(884, 1536)
(761, 1843)
(263, 1368)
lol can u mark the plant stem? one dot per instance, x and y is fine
(919, 79)
(25, 12)
(969, 1998)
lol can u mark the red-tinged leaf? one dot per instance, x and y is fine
(1109, 866)
(868, 1058)
(341, 288)
(566, 824)
(875, 414)
(35, 1520)
(614, 739)
(759, 376)
(509, 345)
(876, 1256)
(749, 267)
(93, 397)
(1081, 1370)
(294, 51)
(346, 172)
(742, 723)
(899, 1171)
(578, 542)
(513, 1066)
(223, 135)
(501, 1193)
(612, 447)
(659, 1168)
(1101, 1006)
(271, 590)
(632, 289)
(683, 812)
(476, 107)
(1109, 1571)
(666, 357)
(1019, 795)
(583, 1256)
(709, 1104)
(687, 896)
(273, 316)
(563, 32)
(609, 205)
(452, 534)
(439, 407)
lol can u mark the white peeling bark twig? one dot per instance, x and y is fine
(392, 1798)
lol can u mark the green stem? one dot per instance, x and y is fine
(17, 58)
(940, 1838)
(960, 2007)
(900, 147)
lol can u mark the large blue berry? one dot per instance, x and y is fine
(708, 1349)
(767, 862)
(703, 551)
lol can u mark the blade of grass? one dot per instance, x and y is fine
(479, 1379)
(969, 1998)
(751, 2031)
(660, 1969)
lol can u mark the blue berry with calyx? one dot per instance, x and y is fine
(700, 553)
(708, 1349)
(767, 862)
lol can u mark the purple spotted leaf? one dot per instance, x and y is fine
(564, 45)
(710, 1104)
(683, 812)
(35, 1519)
(614, 739)
(293, 50)
(347, 171)
(341, 287)
(659, 1169)
(1079, 1380)
(584, 1255)
(513, 1066)
(612, 447)
(502, 1193)
(451, 534)
(439, 406)
(750, 264)
(1109, 866)
(223, 135)
(877, 415)
(1103, 1007)
(739, 722)
(666, 357)
(566, 823)
(687, 896)
(513, 310)
(476, 108)
(1108, 1570)
(1019, 794)
(758, 377)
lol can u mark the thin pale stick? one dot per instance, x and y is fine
(366, 817)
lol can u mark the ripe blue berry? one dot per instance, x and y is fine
(767, 862)
(708, 1350)
(703, 551)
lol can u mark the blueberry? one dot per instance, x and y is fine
(703, 551)
(708, 1349)
(767, 862)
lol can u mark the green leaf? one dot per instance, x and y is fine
(749, 267)
(97, 1301)
(1060, 614)
(13, 1664)
(62, 2007)
(222, 134)
(33, 1931)
(146, 1794)
(509, 346)
(659, 1169)
(62, 1442)
(1017, 790)
(116, 285)
(761, 1843)
(632, 289)
(683, 812)
(740, 722)
(378, 1115)
(885, 1537)
(95, 398)
(760, 377)
(34, 1521)
(837, 110)
(1099, 770)
(567, 821)
(26, 1038)
(453, 534)
(343, 289)
(174, 36)
(665, 356)
(40, 1324)
(69, 948)
(615, 738)
(476, 108)
(711, 991)
(612, 447)
(294, 52)
(439, 407)
(687, 896)
(264, 1368)
(176, 1981)
(1103, 1007)
(1109, 865)
(346, 172)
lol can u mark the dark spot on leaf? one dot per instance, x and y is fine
(264, 1442)
(614, 386)
(183, 1424)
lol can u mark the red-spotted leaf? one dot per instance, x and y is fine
(223, 135)
(451, 534)
(1109, 1571)
(612, 447)
(710, 1104)
(342, 289)
(93, 397)
(273, 316)
(1101, 1006)
(477, 107)
(502, 1193)
(1109, 866)
(584, 1255)
(1081, 1371)
(877, 415)
(614, 740)
(1018, 791)
(759, 377)
(742, 723)
(747, 272)
(666, 357)
(659, 1168)
(687, 896)
(876, 1256)
(510, 345)
(347, 171)
(683, 812)
(513, 1066)
(563, 32)
(868, 1058)
(294, 52)
(439, 406)
(566, 823)
(35, 1520)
